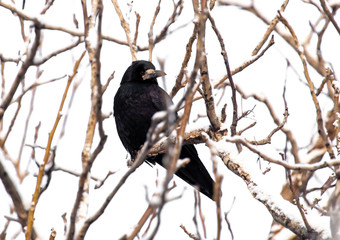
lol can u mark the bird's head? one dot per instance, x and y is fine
(141, 71)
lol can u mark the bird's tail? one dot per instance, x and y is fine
(194, 172)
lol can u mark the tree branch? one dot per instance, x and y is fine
(21, 74)
(282, 211)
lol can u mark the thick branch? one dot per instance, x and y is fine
(207, 87)
(193, 137)
(282, 211)
(93, 45)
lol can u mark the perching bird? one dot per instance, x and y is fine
(138, 98)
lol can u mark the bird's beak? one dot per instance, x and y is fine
(151, 73)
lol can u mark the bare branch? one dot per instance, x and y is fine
(93, 46)
(206, 85)
(47, 154)
(318, 66)
(15, 197)
(311, 87)
(20, 76)
(330, 15)
(220, 84)
(192, 236)
(270, 29)
(178, 85)
(268, 138)
(299, 166)
(150, 34)
(178, 7)
(233, 88)
(47, 6)
(134, 43)
(278, 208)
(126, 28)
(55, 53)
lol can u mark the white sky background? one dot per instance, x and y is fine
(241, 32)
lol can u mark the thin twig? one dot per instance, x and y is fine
(276, 119)
(178, 7)
(21, 74)
(217, 185)
(194, 218)
(134, 43)
(268, 138)
(178, 84)
(298, 166)
(190, 235)
(270, 29)
(318, 66)
(319, 119)
(126, 28)
(34, 85)
(150, 210)
(227, 220)
(26, 126)
(229, 74)
(247, 63)
(55, 53)
(36, 194)
(298, 204)
(330, 15)
(47, 6)
(199, 204)
(150, 34)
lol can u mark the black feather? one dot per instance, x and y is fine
(138, 98)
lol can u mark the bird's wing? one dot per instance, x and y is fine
(160, 99)
(194, 172)
(133, 116)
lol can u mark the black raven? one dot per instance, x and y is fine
(138, 98)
